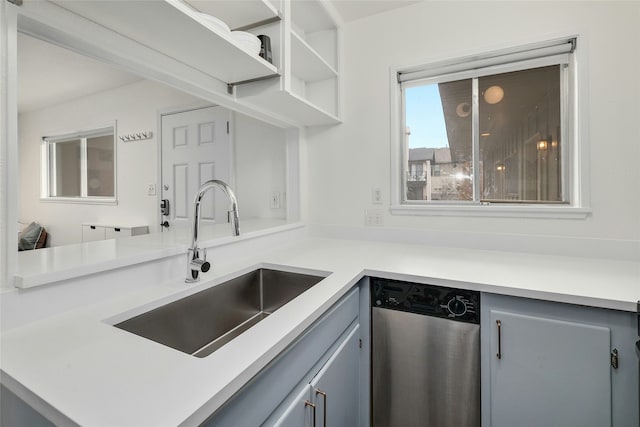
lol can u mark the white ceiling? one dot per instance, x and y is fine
(49, 75)
(350, 10)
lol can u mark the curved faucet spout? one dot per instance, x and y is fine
(194, 262)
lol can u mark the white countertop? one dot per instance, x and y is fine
(43, 266)
(77, 367)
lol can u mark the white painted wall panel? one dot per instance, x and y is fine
(343, 163)
(260, 151)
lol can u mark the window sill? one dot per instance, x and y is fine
(79, 200)
(503, 211)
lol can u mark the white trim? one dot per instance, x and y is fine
(396, 134)
(48, 182)
(81, 200)
(89, 133)
(576, 160)
(9, 178)
(495, 211)
(84, 167)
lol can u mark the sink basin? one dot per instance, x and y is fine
(203, 322)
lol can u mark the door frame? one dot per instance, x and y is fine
(184, 109)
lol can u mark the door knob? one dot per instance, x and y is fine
(164, 224)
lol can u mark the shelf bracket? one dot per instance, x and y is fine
(259, 23)
(231, 85)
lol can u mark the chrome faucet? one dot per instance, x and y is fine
(195, 264)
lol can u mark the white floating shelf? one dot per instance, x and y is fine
(169, 27)
(306, 63)
(237, 13)
(300, 111)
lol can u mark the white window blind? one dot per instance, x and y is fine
(538, 55)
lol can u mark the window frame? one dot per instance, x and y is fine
(574, 132)
(82, 135)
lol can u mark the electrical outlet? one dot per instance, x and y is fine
(275, 200)
(376, 196)
(151, 189)
(374, 217)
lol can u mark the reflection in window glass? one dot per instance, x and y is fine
(438, 141)
(100, 167)
(519, 115)
(66, 180)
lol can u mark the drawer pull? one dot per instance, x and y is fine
(93, 227)
(324, 411)
(313, 410)
(116, 229)
(499, 323)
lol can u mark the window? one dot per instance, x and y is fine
(493, 131)
(80, 167)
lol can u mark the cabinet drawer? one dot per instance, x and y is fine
(114, 232)
(92, 232)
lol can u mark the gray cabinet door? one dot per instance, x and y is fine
(333, 391)
(550, 372)
(298, 414)
(336, 387)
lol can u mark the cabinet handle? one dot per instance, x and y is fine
(324, 411)
(499, 323)
(313, 410)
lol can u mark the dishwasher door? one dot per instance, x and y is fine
(425, 371)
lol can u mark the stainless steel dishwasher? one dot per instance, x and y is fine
(425, 355)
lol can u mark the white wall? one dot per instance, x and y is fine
(343, 163)
(135, 108)
(260, 157)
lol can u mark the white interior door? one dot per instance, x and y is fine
(195, 149)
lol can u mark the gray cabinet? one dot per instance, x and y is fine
(549, 364)
(335, 389)
(332, 397)
(326, 357)
(300, 413)
(549, 372)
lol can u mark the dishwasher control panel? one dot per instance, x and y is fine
(438, 301)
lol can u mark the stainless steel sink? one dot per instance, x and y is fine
(203, 322)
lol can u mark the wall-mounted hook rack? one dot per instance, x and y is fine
(138, 136)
